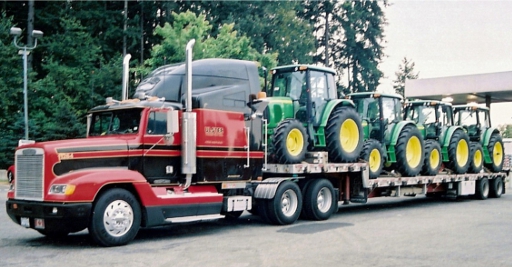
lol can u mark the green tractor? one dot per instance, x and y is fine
(305, 114)
(390, 141)
(477, 123)
(444, 141)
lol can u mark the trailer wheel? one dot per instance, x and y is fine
(320, 201)
(373, 154)
(286, 205)
(290, 142)
(482, 189)
(495, 149)
(458, 152)
(496, 187)
(432, 161)
(344, 135)
(477, 157)
(409, 151)
(115, 219)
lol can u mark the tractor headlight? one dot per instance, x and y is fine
(62, 189)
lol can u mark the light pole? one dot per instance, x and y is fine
(25, 51)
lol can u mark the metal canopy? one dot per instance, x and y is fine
(480, 88)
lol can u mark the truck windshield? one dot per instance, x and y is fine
(123, 121)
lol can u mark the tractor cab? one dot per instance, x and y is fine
(431, 117)
(305, 114)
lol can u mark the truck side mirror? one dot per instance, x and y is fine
(172, 122)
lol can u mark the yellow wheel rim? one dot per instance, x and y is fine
(462, 152)
(477, 158)
(374, 160)
(497, 153)
(413, 151)
(435, 158)
(349, 135)
(295, 142)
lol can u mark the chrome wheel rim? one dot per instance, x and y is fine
(118, 218)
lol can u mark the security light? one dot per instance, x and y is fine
(37, 34)
(15, 31)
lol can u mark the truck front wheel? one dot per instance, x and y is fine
(116, 218)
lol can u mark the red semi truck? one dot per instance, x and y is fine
(198, 154)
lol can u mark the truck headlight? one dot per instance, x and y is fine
(62, 189)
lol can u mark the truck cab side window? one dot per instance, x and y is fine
(157, 123)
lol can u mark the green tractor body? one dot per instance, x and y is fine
(444, 141)
(390, 141)
(477, 123)
(305, 114)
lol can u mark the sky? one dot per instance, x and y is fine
(450, 38)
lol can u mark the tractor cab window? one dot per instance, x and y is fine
(288, 84)
(157, 123)
(468, 117)
(485, 121)
(446, 115)
(125, 121)
(391, 109)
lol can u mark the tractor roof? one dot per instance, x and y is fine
(427, 103)
(297, 67)
(470, 107)
(374, 95)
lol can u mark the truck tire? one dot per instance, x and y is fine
(482, 189)
(116, 218)
(495, 149)
(496, 187)
(458, 152)
(290, 142)
(344, 135)
(477, 157)
(373, 154)
(409, 151)
(320, 201)
(432, 161)
(286, 205)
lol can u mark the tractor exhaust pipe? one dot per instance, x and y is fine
(126, 70)
(188, 122)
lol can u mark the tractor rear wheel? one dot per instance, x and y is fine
(290, 142)
(495, 149)
(409, 151)
(344, 135)
(458, 152)
(374, 155)
(432, 161)
(477, 157)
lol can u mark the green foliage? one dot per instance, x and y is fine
(405, 72)
(506, 131)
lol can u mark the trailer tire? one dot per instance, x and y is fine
(433, 159)
(477, 157)
(482, 189)
(409, 151)
(496, 187)
(495, 149)
(344, 135)
(373, 154)
(286, 205)
(116, 218)
(458, 152)
(320, 200)
(290, 142)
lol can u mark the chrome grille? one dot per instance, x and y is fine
(29, 174)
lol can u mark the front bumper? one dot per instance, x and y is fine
(69, 217)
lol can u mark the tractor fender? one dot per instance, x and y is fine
(392, 133)
(447, 135)
(267, 188)
(89, 182)
(333, 104)
(487, 136)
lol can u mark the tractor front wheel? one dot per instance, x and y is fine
(458, 152)
(477, 157)
(409, 151)
(432, 161)
(373, 153)
(495, 149)
(290, 142)
(344, 135)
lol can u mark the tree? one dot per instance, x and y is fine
(187, 26)
(405, 72)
